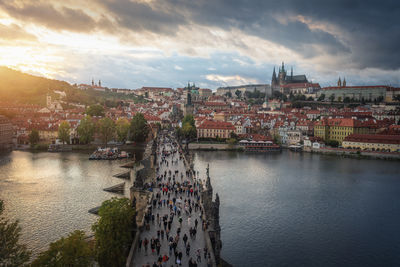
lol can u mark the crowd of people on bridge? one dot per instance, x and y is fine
(176, 195)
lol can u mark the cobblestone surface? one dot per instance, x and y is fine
(143, 258)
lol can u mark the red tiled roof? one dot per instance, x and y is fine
(356, 87)
(207, 124)
(373, 138)
(300, 85)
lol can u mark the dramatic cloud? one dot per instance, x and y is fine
(14, 32)
(215, 43)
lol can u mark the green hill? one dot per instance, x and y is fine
(16, 86)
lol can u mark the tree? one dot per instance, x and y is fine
(188, 119)
(86, 130)
(113, 232)
(95, 110)
(188, 127)
(34, 137)
(321, 97)
(277, 139)
(12, 254)
(64, 131)
(332, 143)
(139, 129)
(106, 127)
(234, 135)
(189, 131)
(310, 98)
(238, 93)
(71, 251)
(122, 127)
(347, 99)
(231, 141)
(332, 97)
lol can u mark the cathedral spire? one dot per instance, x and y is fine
(339, 82)
(344, 82)
(291, 73)
(283, 66)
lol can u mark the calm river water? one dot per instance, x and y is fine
(51, 193)
(286, 209)
(301, 209)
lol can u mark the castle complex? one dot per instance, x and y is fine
(282, 79)
(295, 84)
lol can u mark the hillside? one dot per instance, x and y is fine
(20, 87)
(16, 86)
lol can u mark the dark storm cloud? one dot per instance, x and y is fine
(370, 30)
(139, 17)
(367, 33)
(373, 28)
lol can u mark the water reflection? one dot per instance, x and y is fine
(51, 193)
(300, 209)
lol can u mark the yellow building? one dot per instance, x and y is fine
(339, 128)
(373, 142)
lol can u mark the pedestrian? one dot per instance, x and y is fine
(188, 249)
(145, 243)
(180, 257)
(158, 247)
(185, 239)
(195, 223)
(152, 245)
(165, 258)
(198, 254)
(140, 245)
(205, 252)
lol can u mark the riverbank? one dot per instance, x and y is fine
(342, 152)
(88, 147)
(214, 147)
(351, 153)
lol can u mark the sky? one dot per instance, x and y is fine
(130, 44)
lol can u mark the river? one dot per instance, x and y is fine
(284, 209)
(51, 193)
(301, 209)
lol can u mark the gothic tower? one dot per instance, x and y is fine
(344, 82)
(48, 101)
(339, 82)
(274, 80)
(282, 75)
